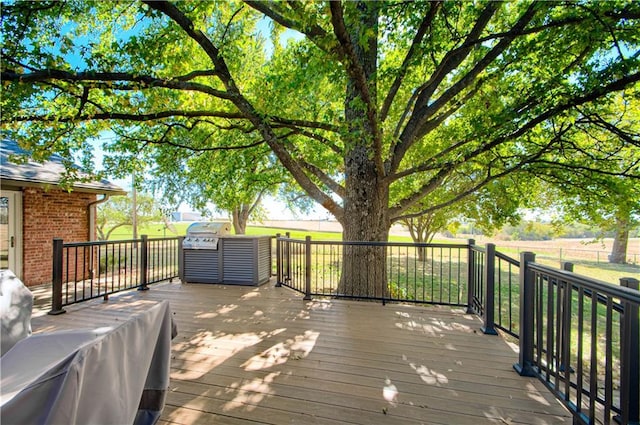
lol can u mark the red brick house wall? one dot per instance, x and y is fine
(47, 215)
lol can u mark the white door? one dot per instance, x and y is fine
(11, 231)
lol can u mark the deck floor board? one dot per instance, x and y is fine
(263, 355)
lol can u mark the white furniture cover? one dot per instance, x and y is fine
(16, 303)
(113, 375)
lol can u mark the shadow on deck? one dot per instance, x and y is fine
(263, 355)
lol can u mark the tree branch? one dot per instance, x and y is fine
(325, 179)
(476, 42)
(417, 40)
(194, 74)
(293, 123)
(450, 62)
(145, 81)
(592, 170)
(260, 123)
(395, 213)
(425, 111)
(315, 33)
(127, 116)
(449, 167)
(335, 148)
(164, 140)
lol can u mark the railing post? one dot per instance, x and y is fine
(278, 261)
(629, 354)
(56, 295)
(565, 320)
(287, 253)
(471, 272)
(527, 291)
(143, 263)
(180, 259)
(307, 268)
(489, 289)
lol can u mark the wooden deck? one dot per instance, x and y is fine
(263, 355)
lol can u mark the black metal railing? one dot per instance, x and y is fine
(416, 273)
(496, 274)
(506, 277)
(580, 336)
(88, 270)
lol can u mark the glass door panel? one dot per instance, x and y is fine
(11, 231)
(5, 238)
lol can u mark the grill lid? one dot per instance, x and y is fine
(204, 235)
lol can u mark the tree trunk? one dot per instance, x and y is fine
(366, 200)
(620, 241)
(422, 230)
(240, 217)
(366, 219)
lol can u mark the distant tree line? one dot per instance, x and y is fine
(537, 231)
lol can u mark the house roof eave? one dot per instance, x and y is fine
(46, 174)
(112, 190)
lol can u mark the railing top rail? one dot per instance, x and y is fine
(164, 238)
(599, 286)
(375, 243)
(508, 259)
(96, 243)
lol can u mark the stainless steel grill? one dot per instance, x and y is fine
(205, 235)
(210, 255)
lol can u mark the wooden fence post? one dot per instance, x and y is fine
(143, 264)
(489, 289)
(471, 273)
(527, 291)
(629, 354)
(56, 295)
(307, 268)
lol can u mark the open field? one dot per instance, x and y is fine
(589, 259)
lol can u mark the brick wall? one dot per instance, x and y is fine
(47, 215)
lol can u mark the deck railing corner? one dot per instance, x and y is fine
(630, 353)
(525, 365)
(488, 326)
(470, 275)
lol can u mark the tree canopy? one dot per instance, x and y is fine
(118, 212)
(602, 198)
(236, 182)
(378, 108)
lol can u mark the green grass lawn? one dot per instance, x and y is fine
(159, 230)
(596, 270)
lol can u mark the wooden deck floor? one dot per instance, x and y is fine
(263, 355)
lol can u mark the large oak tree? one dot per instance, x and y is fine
(378, 108)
